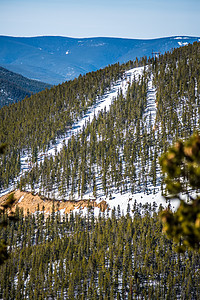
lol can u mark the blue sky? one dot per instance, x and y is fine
(89, 18)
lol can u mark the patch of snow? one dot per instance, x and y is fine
(84, 211)
(62, 211)
(182, 44)
(178, 38)
(21, 198)
(97, 45)
(6, 191)
(125, 199)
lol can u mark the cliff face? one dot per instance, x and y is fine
(33, 203)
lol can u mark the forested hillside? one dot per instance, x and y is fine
(48, 115)
(118, 151)
(15, 87)
(117, 257)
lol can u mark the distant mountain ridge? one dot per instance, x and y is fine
(15, 87)
(55, 59)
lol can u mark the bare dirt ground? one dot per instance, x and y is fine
(32, 203)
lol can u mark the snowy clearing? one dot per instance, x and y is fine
(182, 44)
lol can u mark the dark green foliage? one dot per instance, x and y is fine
(176, 77)
(109, 258)
(101, 146)
(78, 257)
(2, 148)
(5, 218)
(181, 166)
(4, 223)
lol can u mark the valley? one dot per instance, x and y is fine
(15, 87)
(55, 59)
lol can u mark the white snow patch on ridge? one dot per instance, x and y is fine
(97, 45)
(181, 38)
(182, 44)
(178, 38)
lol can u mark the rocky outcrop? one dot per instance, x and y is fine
(32, 203)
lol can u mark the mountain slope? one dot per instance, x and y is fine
(112, 154)
(115, 156)
(57, 59)
(15, 87)
(49, 115)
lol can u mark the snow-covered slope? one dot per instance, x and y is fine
(150, 111)
(103, 103)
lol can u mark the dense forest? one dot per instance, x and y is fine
(177, 82)
(114, 256)
(15, 87)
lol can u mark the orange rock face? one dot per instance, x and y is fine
(31, 203)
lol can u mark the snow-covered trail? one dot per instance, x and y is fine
(104, 102)
(150, 111)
